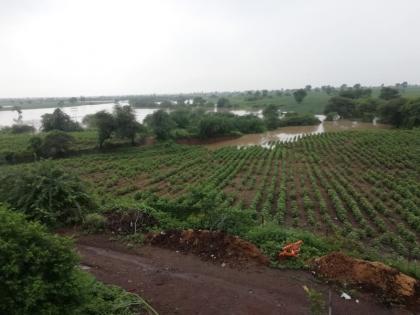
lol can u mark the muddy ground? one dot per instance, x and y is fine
(177, 283)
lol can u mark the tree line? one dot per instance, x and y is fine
(390, 107)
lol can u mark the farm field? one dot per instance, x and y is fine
(313, 103)
(361, 186)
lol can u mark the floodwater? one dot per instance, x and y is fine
(33, 116)
(293, 133)
(77, 113)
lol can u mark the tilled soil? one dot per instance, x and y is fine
(176, 283)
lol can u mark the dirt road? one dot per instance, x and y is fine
(175, 283)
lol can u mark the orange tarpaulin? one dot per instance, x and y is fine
(290, 250)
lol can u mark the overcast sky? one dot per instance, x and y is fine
(105, 47)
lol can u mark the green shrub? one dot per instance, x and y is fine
(94, 223)
(39, 275)
(45, 193)
(271, 238)
(36, 269)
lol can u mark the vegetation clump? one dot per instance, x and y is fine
(44, 277)
(45, 193)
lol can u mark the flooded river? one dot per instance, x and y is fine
(292, 133)
(33, 117)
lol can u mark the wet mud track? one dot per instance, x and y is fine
(176, 283)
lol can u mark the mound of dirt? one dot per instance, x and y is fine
(386, 282)
(128, 221)
(210, 245)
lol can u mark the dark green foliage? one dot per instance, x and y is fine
(390, 112)
(271, 116)
(249, 124)
(122, 122)
(214, 125)
(198, 101)
(45, 193)
(55, 144)
(355, 92)
(20, 128)
(105, 123)
(223, 102)
(59, 120)
(410, 113)
(37, 274)
(125, 123)
(94, 223)
(234, 221)
(367, 109)
(299, 95)
(182, 118)
(161, 124)
(344, 106)
(389, 93)
(295, 119)
(331, 116)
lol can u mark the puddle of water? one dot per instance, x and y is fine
(293, 133)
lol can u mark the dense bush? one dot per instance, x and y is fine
(94, 223)
(36, 269)
(45, 193)
(121, 123)
(54, 144)
(343, 106)
(39, 275)
(59, 120)
(21, 128)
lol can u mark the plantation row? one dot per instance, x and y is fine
(361, 186)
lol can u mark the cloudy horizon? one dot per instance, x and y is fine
(71, 48)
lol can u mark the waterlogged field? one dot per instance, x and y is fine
(360, 186)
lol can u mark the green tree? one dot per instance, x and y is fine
(182, 118)
(105, 123)
(388, 93)
(345, 107)
(223, 102)
(161, 123)
(367, 109)
(271, 116)
(355, 92)
(73, 100)
(198, 101)
(35, 146)
(391, 112)
(212, 125)
(58, 120)
(299, 95)
(410, 113)
(126, 125)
